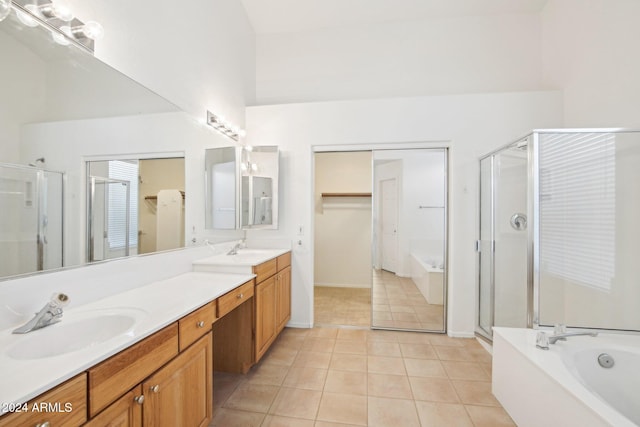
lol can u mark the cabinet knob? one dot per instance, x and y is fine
(200, 324)
(44, 424)
(139, 399)
(240, 296)
(155, 388)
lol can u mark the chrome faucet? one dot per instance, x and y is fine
(234, 250)
(49, 314)
(559, 334)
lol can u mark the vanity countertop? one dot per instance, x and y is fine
(154, 306)
(241, 263)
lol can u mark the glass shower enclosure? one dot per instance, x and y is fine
(559, 231)
(31, 230)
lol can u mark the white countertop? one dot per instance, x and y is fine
(242, 262)
(154, 306)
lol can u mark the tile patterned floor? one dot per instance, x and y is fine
(398, 303)
(342, 306)
(331, 377)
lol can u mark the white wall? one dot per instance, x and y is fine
(474, 125)
(472, 54)
(199, 55)
(342, 225)
(589, 51)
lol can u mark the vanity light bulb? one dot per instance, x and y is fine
(60, 38)
(27, 19)
(242, 133)
(254, 167)
(62, 11)
(5, 8)
(93, 30)
(243, 166)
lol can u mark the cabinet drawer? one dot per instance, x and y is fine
(265, 270)
(196, 324)
(118, 374)
(231, 300)
(65, 405)
(283, 261)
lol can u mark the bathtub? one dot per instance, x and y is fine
(427, 274)
(565, 385)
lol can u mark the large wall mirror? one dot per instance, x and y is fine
(61, 108)
(242, 187)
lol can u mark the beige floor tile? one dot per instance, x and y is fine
(418, 351)
(267, 374)
(381, 348)
(475, 392)
(424, 368)
(305, 378)
(433, 389)
(343, 408)
(459, 354)
(350, 347)
(385, 385)
(323, 333)
(290, 342)
(296, 403)
(465, 371)
(224, 385)
(444, 340)
(348, 362)
(379, 335)
(486, 416)
(385, 365)
(312, 359)
(414, 338)
(346, 382)
(322, 345)
(352, 334)
(381, 307)
(280, 356)
(252, 397)
(384, 412)
(233, 418)
(277, 421)
(435, 414)
(405, 317)
(401, 309)
(380, 316)
(329, 424)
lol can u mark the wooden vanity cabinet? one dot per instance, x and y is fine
(273, 301)
(64, 405)
(181, 393)
(124, 412)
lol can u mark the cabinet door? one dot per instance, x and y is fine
(180, 394)
(124, 412)
(265, 315)
(283, 301)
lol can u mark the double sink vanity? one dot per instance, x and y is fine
(146, 356)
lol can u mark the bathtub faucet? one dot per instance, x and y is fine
(543, 340)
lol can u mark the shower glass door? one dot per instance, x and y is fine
(31, 236)
(503, 244)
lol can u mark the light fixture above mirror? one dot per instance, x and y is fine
(58, 17)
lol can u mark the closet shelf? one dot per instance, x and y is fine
(156, 197)
(346, 194)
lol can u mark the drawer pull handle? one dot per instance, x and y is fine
(155, 388)
(44, 424)
(240, 296)
(139, 399)
(200, 324)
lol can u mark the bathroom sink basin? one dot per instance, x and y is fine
(252, 252)
(75, 333)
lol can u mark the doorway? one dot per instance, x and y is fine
(389, 224)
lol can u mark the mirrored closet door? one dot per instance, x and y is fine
(409, 232)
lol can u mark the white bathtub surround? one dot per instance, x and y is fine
(565, 385)
(428, 275)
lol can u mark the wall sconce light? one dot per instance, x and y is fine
(5, 8)
(57, 16)
(225, 128)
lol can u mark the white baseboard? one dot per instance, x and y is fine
(299, 325)
(457, 334)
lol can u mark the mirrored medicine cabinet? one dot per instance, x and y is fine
(241, 188)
